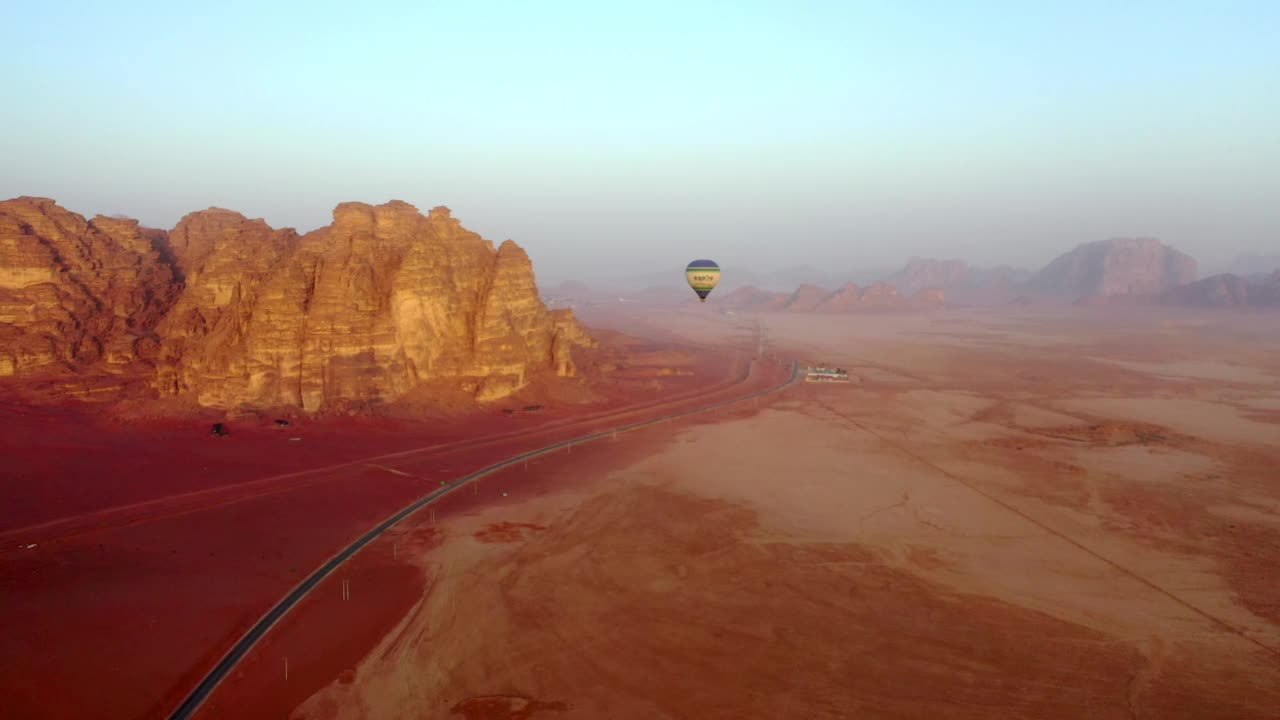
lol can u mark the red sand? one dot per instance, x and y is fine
(975, 529)
(324, 637)
(118, 611)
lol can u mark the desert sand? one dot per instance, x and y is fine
(1040, 513)
(135, 550)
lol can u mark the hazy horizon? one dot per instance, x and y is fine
(635, 138)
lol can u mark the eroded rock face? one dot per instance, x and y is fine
(232, 313)
(1122, 266)
(359, 311)
(566, 334)
(78, 293)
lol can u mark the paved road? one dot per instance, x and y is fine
(246, 643)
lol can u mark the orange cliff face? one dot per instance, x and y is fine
(231, 313)
(78, 294)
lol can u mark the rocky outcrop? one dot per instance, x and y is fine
(956, 279)
(76, 293)
(848, 298)
(232, 313)
(1226, 291)
(566, 335)
(806, 298)
(751, 298)
(1123, 266)
(878, 297)
(357, 312)
(921, 273)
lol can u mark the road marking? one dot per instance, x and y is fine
(401, 473)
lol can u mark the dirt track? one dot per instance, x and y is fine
(1050, 515)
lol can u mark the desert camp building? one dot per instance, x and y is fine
(826, 374)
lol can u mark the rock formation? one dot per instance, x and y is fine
(1227, 291)
(232, 313)
(879, 295)
(956, 279)
(1123, 266)
(751, 298)
(845, 298)
(76, 294)
(921, 273)
(806, 298)
(849, 298)
(359, 311)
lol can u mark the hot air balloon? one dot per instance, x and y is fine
(703, 276)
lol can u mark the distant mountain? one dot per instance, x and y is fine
(1227, 291)
(920, 273)
(1255, 265)
(1120, 266)
(848, 298)
(806, 298)
(958, 280)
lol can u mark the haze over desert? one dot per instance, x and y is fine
(495, 360)
(1028, 514)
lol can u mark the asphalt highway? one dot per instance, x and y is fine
(228, 662)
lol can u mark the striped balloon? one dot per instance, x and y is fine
(703, 276)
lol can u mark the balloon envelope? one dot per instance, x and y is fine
(703, 276)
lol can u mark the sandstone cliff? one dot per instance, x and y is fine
(1123, 266)
(76, 293)
(357, 312)
(229, 312)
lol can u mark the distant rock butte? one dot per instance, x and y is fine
(806, 298)
(1122, 266)
(848, 298)
(1227, 291)
(921, 273)
(232, 313)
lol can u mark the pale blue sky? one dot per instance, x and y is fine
(641, 135)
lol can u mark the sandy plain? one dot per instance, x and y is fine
(1022, 513)
(135, 550)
